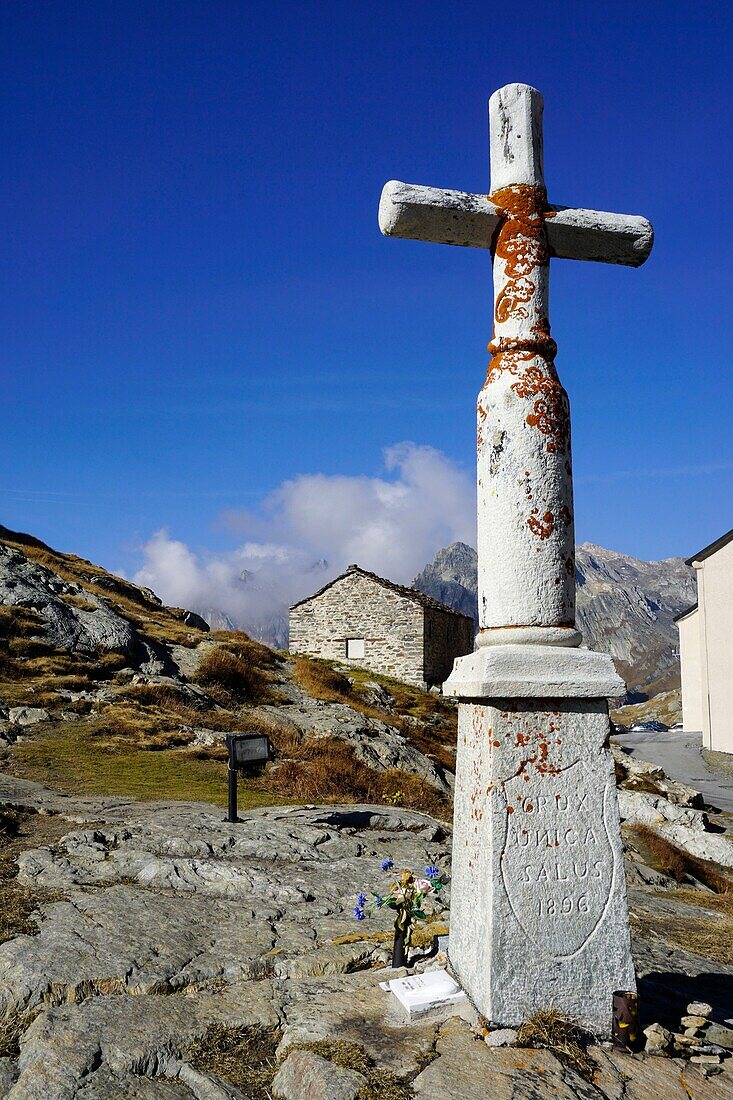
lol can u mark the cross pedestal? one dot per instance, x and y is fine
(538, 910)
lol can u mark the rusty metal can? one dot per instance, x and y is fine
(625, 1024)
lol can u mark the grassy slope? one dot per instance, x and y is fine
(139, 742)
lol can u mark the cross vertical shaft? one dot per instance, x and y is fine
(525, 506)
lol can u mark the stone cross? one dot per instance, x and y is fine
(538, 912)
(526, 574)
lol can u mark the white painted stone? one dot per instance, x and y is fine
(538, 913)
(442, 216)
(515, 124)
(533, 671)
(538, 905)
(526, 564)
(531, 635)
(436, 214)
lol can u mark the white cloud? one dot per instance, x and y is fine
(392, 525)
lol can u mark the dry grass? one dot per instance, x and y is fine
(709, 937)
(73, 599)
(244, 1056)
(122, 727)
(18, 622)
(12, 1029)
(18, 902)
(549, 1028)
(422, 934)
(32, 672)
(167, 697)
(233, 678)
(322, 681)
(162, 716)
(236, 641)
(9, 822)
(16, 905)
(19, 831)
(678, 864)
(327, 770)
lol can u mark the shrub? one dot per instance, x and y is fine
(239, 643)
(320, 681)
(231, 677)
(327, 770)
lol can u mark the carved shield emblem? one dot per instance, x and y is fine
(557, 863)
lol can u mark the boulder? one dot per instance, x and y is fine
(658, 1039)
(502, 1037)
(191, 618)
(642, 773)
(719, 1036)
(27, 716)
(377, 695)
(305, 1074)
(76, 629)
(640, 808)
(711, 846)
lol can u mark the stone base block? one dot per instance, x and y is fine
(533, 671)
(538, 912)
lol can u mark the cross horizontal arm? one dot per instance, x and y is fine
(457, 217)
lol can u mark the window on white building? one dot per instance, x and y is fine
(354, 647)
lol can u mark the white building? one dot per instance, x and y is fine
(706, 647)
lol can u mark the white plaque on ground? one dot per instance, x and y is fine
(420, 993)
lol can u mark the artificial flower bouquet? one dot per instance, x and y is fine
(407, 896)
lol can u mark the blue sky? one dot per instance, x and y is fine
(197, 305)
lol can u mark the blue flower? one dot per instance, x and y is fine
(387, 864)
(378, 901)
(359, 913)
(361, 900)
(432, 872)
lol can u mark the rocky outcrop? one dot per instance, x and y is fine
(166, 921)
(625, 607)
(375, 743)
(71, 617)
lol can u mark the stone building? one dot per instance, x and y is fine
(706, 647)
(362, 619)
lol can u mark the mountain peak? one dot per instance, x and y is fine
(625, 606)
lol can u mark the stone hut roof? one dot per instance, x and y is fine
(402, 590)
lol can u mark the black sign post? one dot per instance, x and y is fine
(247, 752)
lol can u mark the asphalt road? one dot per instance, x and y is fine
(680, 756)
